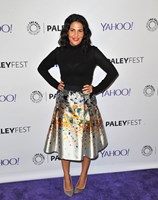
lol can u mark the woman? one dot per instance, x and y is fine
(76, 132)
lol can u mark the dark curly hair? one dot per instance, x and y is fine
(64, 40)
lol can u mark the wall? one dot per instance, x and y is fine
(126, 32)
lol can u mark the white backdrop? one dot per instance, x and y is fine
(127, 33)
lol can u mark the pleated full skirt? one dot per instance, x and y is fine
(76, 128)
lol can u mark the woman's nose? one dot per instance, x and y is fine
(75, 33)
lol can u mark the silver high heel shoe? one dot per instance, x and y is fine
(79, 190)
(68, 192)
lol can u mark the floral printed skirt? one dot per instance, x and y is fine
(76, 129)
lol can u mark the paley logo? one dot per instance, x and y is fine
(50, 28)
(53, 158)
(6, 28)
(149, 90)
(127, 60)
(7, 98)
(37, 96)
(117, 26)
(12, 130)
(147, 150)
(9, 161)
(38, 159)
(152, 24)
(134, 122)
(13, 64)
(117, 92)
(34, 27)
(115, 153)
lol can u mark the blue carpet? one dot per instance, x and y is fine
(133, 185)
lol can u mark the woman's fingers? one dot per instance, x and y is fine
(61, 85)
(87, 89)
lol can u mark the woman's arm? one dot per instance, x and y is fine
(108, 67)
(44, 67)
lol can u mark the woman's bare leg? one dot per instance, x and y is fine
(66, 171)
(83, 175)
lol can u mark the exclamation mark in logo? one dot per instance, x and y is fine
(11, 27)
(15, 97)
(18, 159)
(128, 152)
(129, 91)
(131, 26)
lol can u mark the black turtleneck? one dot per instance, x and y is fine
(77, 67)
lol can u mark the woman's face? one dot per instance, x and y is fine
(75, 33)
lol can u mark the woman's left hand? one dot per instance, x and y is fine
(87, 89)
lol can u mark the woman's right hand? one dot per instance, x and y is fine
(61, 85)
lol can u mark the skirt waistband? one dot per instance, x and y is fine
(73, 88)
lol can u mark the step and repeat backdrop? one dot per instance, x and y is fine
(127, 33)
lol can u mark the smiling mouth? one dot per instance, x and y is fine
(75, 39)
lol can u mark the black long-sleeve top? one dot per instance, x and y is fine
(77, 67)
